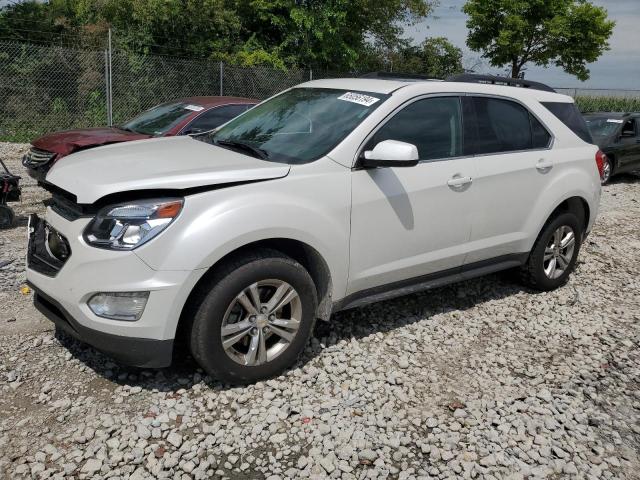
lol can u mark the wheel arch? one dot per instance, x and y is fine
(577, 205)
(300, 251)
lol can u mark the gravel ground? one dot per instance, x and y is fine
(477, 380)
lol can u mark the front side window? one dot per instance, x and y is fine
(629, 129)
(433, 125)
(160, 119)
(299, 125)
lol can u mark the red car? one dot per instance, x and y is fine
(180, 117)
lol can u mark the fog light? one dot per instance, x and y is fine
(119, 305)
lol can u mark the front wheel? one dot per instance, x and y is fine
(555, 253)
(255, 319)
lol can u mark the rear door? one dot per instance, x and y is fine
(513, 164)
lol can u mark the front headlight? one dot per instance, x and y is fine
(129, 225)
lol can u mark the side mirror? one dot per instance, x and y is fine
(391, 153)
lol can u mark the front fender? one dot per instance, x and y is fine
(307, 206)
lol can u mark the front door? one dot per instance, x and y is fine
(407, 222)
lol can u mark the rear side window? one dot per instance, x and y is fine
(569, 114)
(503, 126)
(540, 136)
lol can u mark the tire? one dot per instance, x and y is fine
(607, 173)
(538, 273)
(6, 217)
(266, 346)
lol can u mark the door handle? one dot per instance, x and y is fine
(458, 181)
(543, 166)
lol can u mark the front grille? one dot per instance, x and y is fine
(48, 249)
(36, 157)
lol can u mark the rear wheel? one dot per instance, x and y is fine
(255, 319)
(6, 216)
(555, 253)
(607, 171)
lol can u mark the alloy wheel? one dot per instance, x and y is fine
(261, 322)
(559, 252)
(606, 172)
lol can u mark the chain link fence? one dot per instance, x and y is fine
(50, 88)
(44, 89)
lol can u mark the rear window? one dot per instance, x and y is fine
(569, 114)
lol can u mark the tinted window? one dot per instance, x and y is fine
(569, 114)
(540, 136)
(433, 125)
(501, 126)
(215, 117)
(160, 119)
(629, 128)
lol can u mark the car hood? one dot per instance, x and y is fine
(64, 143)
(174, 163)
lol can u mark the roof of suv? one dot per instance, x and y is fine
(434, 86)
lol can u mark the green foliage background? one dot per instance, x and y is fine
(52, 64)
(52, 53)
(588, 104)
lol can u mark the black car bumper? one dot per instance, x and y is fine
(135, 352)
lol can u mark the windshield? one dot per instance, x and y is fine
(603, 126)
(160, 119)
(298, 126)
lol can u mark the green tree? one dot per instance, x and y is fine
(567, 33)
(436, 57)
(326, 34)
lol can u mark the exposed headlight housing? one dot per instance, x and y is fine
(128, 225)
(127, 306)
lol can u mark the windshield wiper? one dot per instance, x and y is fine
(257, 152)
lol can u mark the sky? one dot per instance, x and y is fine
(619, 68)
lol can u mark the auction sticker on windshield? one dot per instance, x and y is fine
(614, 120)
(358, 98)
(195, 108)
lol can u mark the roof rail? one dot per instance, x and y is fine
(493, 80)
(398, 76)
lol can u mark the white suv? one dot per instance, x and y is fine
(330, 195)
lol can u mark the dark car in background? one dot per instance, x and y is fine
(180, 117)
(618, 136)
